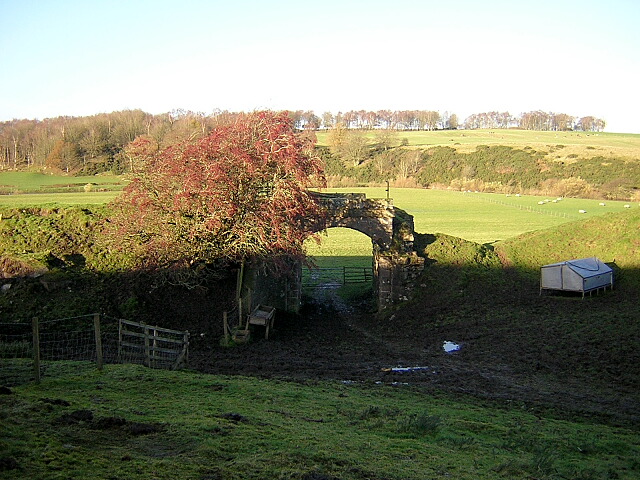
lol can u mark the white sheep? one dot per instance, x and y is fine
(582, 211)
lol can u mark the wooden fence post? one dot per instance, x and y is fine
(36, 348)
(225, 325)
(155, 346)
(185, 346)
(96, 331)
(147, 350)
(120, 341)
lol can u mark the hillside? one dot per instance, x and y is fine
(568, 164)
(611, 237)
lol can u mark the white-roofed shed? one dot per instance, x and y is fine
(581, 275)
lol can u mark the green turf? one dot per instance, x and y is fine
(138, 423)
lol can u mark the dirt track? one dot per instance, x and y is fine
(334, 341)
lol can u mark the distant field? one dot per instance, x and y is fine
(582, 143)
(34, 182)
(21, 189)
(479, 217)
(57, 199)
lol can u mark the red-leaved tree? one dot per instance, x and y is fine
(241, 192)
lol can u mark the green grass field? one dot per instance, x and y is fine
(137, 423)
(478, 217)
(33, 180)
(57, 199)
(24, 189)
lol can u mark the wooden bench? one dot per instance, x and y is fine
(263, 316)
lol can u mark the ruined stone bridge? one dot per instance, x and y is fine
(396, 264)
(371, 216)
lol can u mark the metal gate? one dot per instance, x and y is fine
(335, 277)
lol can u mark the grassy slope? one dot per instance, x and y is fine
(612, 237)
(600, 165)
(140, 423)
(589, 144)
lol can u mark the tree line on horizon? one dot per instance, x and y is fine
(96, 144)
(432, 120)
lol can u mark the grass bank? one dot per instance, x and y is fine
(28, 182)
(135, 423)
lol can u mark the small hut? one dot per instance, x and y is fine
(581, 275)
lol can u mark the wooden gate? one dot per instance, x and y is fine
(152, 346)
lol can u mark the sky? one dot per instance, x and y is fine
(84, 57)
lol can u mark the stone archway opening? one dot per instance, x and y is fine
(395, 261)
(344, 266)
(390, 233)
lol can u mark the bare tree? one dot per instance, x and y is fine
(355, 147)
(386, 138)
(453, 122)
(561, 122)
(408, 164)
(591, 124)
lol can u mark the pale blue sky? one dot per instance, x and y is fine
(81, 57)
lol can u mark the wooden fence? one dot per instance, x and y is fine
(25, 350)
(155, 347)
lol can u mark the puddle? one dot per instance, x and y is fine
(450, 347)
(406, 369)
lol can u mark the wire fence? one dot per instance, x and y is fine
(526, 207)
(27, 350)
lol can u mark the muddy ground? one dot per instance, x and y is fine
(331, 340)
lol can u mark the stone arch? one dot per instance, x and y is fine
(373, 217)
(395, 262)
